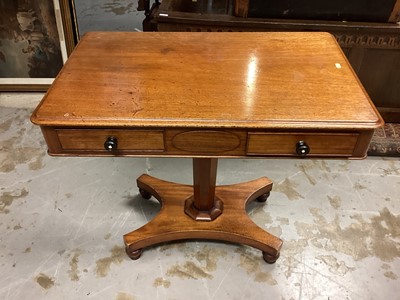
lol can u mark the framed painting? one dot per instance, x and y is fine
(36, 38)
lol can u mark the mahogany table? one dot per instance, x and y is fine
(206, 96)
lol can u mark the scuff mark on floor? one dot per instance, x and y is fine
(17, 227)
(209, 256)
(391, 170)
(202, 262)
(45, 281)
(310, 179)
(103, 265)
(7, 199)
(124, 296)
(188, 270)
(391, 275)
(74, 272)
(335, 266)
(5, 125)
(283, 220)
(358, 186)
(252, 264)
(335, 201)
(288, 188)
(376, 237)
(159, 281)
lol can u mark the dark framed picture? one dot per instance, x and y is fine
(36, 37)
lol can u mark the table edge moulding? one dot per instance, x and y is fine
(207, 96)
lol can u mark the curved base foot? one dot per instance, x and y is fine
(270, 259)
(134, 255)
(263, 197)
(144, 194)
(232, 225)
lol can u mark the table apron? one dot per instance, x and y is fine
(193, 142)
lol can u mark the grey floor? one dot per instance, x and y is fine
(62, 221)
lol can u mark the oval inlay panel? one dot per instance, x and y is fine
(207, 141)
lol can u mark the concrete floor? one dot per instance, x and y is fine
(62, 221)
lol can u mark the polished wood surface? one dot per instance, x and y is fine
(234, 225)
(282, 143)
(129, 140)
(204, 204)
(275, 80)
(207, 96)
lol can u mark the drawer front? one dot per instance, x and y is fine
(128, 140)
(193, 143)
(284, 144)
(205, 142)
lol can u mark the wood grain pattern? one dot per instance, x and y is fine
(233, 225)
(128, 140)
(206, 141)
(321, 144)
(214, 80)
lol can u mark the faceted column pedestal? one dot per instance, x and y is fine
(203, 211)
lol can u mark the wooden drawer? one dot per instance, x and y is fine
(321, 144)
(128, 140)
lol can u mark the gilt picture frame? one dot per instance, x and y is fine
(36, 38)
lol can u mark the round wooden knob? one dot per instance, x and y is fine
(302, 148)
(111, 144)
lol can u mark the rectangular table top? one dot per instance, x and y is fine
(265, 80)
